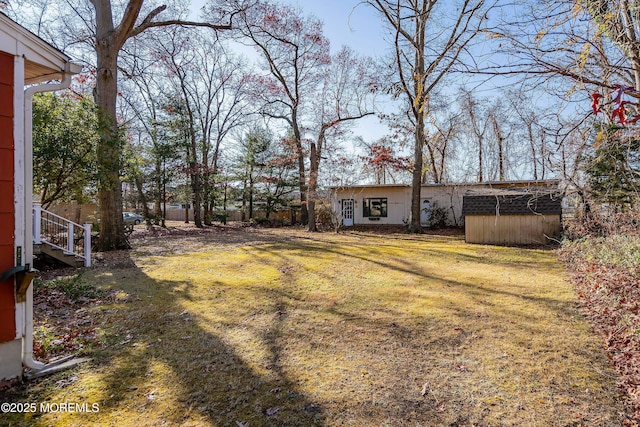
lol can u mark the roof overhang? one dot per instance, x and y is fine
(43, 62)
(364, 186)
(520, 183)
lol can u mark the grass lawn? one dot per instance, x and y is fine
(287, 328)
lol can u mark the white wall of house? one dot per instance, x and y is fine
(446, 196)
(398, 203)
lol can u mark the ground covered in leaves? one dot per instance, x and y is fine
(255, 327)
(606, 274)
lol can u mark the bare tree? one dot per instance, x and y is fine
(501, 133)
(345, 96)
(429, 38)
(438, 144)
(109, 40)
(106, 28)
(143, 90)
(475, 125)
(295, 53)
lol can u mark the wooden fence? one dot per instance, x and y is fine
(282, 216)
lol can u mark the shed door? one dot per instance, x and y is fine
(425, 211)
(347, 212)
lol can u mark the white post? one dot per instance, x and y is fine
(70, 247)
(37, 223)
(87, 245)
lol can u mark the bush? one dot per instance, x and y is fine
(221, 216)
(602, 223)
(619, 251)
(324, 216)
(439, 217)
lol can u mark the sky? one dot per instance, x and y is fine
(344, 24)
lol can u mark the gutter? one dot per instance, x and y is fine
(70, 69)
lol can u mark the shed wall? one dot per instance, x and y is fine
(511, 229)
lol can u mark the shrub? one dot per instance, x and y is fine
(619, 251)
(439, 217)
(602, 223)
(221, 216)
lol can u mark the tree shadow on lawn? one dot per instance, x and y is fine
(406, 265)
(387, 366)
(164, 366)
(531, 340)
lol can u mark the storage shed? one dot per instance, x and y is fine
(512, 216)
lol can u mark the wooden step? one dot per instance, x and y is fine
(58, 254)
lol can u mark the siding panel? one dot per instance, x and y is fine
(511, 229)
(7, 218)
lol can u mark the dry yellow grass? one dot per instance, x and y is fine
(287, 328)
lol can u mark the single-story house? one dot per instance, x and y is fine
(390, 204)
(25, 62)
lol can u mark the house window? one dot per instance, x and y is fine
(374, 207)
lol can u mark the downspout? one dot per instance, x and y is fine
(27, 344)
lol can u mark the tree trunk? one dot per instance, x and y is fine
(416, 182)
(314, 166)
(143, 200)
(434, 168)
(244, 200)
(163, 212)
(251, 194)
(77, 212)
(195, 175)
(500, 141)
(501, 158)
(534, 159)
(420, 108)
(224, 205)
(302, 181)
(480, 159)
(109, 148)
(159, 178)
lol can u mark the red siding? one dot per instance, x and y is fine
(7, 210)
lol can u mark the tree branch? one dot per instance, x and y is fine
(144, 26)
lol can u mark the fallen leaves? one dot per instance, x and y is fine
(271, 411)
(610, 298)
(63, 319)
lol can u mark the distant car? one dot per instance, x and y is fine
(131, 218)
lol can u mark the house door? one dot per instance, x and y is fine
(347, 212)
(425, 211)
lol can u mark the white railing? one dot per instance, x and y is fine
(60, 233)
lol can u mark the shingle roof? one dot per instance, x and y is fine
(517, 201)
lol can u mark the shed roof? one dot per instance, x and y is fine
(512, 201)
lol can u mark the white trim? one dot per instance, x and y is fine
(19, 184)
(18, 41)
(27, 346)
